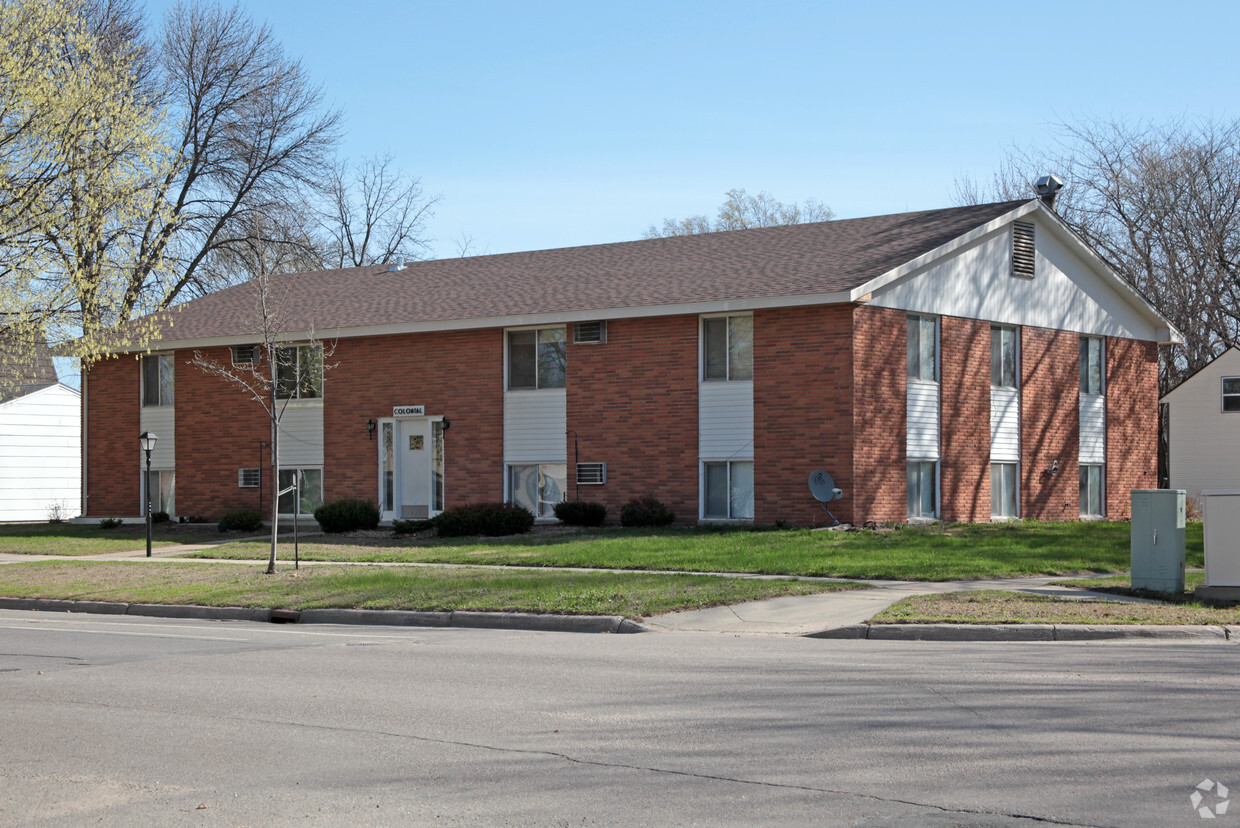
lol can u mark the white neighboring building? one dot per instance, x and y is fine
(1204, 426)
(40, 454)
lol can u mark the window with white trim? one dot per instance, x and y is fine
(727, 490)
(299, 372)
(1003, 497)
(537, 358)
(305, 491)
(727, 348)
(161, 484)
(923, 348)
(157, 379)
(1231, 393)
(1091, 491)
(538, 486)
(1002, 356)
(923, 489)
(1093, 379)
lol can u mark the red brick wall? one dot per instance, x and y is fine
(632, 404)
(457, 374)
(1050, 423)
(218, 430)
(1132, 422)
(880, 376)
(802, 411)
(113, 460)
(964, 425)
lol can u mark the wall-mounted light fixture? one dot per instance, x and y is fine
(446, 423)
(370, 429)
(1054, 469)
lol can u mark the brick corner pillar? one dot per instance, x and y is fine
(1050, 423)
(880, 417)
(1131, 422)
(110, 437)
(964, 420)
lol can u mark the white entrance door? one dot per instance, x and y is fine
(414, 448)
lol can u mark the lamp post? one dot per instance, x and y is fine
(147, 441)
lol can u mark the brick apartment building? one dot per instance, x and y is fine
(960, 364)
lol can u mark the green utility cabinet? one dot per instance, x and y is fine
(1158, 540)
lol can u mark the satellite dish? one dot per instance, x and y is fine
(822, 487)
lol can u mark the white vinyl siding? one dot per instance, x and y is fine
(301, 435)
(1093, 430)
(535, 426)
(40, 441)
(1004, 424)
(725, 420)
(1204, 440)
(160, 421)
(923, 421)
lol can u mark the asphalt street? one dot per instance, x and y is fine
(145, 721)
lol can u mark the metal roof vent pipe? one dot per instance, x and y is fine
(400, 265)
(1048, 187)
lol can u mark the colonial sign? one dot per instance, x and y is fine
(409, 411)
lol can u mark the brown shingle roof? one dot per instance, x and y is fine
(794, 260)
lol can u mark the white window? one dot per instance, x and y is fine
(1092, 377)
(727, 348)
(305, 491)
(161, 485)
(299, 372)
(1091, 491)
(157, 377)
(922, 348)
(538, 486)
(1231, 393)
(1003, 499)
(727, 490)
(1002, 357)
(537, 359)
(923, 489)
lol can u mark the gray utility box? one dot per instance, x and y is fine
(1158, 540)
(1221, 511)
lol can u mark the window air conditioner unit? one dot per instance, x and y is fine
(590, 333)
(248, 478)
(591, 474)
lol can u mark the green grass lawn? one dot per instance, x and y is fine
(933, 553)
(371, 587)
(999, 607)
(89, 538)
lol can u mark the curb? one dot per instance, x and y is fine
(1027, 632)
(392, 618)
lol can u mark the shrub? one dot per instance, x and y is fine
(581, 513)
(347, 515)
(243, 520)
(645, 511)
(409, 527)
(160, 517)
(484, 519)
(110, 523)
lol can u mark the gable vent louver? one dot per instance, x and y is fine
(244, 355)
(248, 478)
(1022, 249)
(591, 474)
(590, 333)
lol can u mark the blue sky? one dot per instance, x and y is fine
(556, 124)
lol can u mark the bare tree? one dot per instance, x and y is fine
(374, 213)
(1162, 204)
(282, 369)
(742, 211)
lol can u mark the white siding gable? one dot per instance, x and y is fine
(536, 426)
(975, 282)
(1205, 440)
(1004, 425)
(923, 421)
(40, 454)
(725, 420)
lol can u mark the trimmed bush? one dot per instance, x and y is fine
(645, 511)
(409, 527)
(347, 515)
(484, 519)
(110, 523)
(160, 517)
(581, 513)
(241, 520)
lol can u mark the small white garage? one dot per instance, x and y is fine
(40, 454)
(1203, 420)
